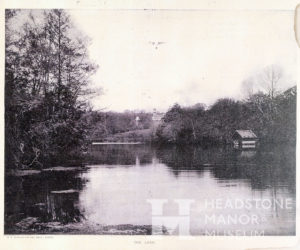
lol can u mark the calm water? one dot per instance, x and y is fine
(231, 192)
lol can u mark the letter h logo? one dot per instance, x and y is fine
(167, 224)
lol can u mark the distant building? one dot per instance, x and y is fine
(137, 119)
(244, 139)
(157, 117)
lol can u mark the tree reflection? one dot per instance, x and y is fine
(119, 154)
(47, 196)
(269, 166)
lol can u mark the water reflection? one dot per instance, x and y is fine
(120, 154)
(50, 196)
(118, 180)
(265, 168)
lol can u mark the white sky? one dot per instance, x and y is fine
(205, 55)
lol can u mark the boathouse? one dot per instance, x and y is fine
(244, 139)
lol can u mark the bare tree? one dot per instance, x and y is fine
(269, 80)
(266, 81)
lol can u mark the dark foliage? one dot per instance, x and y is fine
(272, 118)
(47, 70)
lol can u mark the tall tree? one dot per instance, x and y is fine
(49, 70)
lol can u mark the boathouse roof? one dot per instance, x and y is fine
(246, 134)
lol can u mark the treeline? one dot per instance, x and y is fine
(105, 124)
(47, 70)
(271, 115)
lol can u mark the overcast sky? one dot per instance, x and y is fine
(203, 55)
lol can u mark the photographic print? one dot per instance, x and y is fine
(160, 122)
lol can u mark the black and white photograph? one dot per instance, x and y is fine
(158, 122)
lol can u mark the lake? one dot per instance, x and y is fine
(142, 189)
